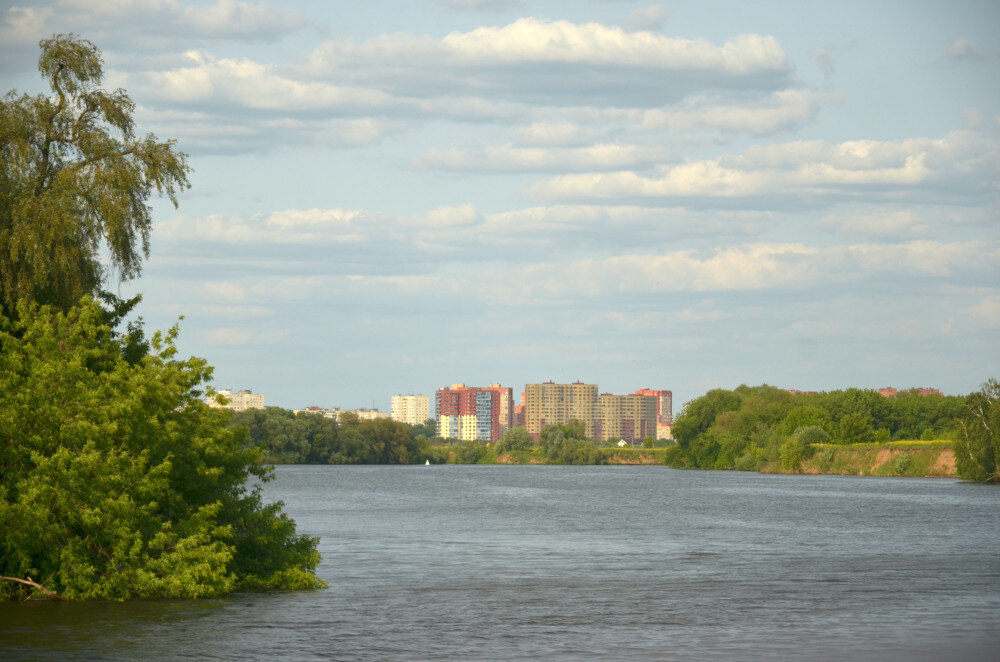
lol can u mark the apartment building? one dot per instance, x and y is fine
(238, 401)
(473, 413)
(549, 402)
(411, 409)
(628, 417)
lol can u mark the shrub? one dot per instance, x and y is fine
(902, 464)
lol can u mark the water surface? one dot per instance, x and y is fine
(586, 563)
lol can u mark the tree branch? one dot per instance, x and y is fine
(30, 582)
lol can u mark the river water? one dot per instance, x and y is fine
(585, 563)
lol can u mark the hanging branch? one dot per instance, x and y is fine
(30, 582)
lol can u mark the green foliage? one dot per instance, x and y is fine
(289, 438)
(902, 464)
(117, 481)
(428, 429)
(577, 451)
(854, 428)
(977, 446)
(811, 434)
(805, 416)
(514, 439)
(551, 438)
(825, 459)
(574, 429)
(74, 181)
(746, 428)
(791, 454)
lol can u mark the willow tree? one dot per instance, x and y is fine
(75, 180)
(977, 446)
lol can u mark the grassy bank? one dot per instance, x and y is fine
(464, 454)
(931, 459)
(898, 458)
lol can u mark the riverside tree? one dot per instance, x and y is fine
(75, 179)
(977, 446)
(116, 480)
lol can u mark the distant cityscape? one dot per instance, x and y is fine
(484, 413)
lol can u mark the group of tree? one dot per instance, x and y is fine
(289, 438)
(116, 480)
(748, 428)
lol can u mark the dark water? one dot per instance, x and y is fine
(586, 563)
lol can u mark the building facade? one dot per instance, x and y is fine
(411, 409)
(559, 403)
(473, 413)
(628, 417)
(239, 401)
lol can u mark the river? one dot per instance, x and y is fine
(585, 563)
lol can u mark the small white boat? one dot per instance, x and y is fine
(427, 463)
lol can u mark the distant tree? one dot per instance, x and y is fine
(74, 181)
(811, 434)
(977, 446)
(854, 428)
(514, 439)
(574, 429)
(551, 438)
(428, 428)
(805, 415)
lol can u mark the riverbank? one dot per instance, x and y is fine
(912, 459)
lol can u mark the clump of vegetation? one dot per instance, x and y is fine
(977, 445)
(758, 428)
(116, 480)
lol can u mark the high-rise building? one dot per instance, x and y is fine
(238, 401)
(473, 413)
(628, 417)
(411, 409)
(559, 403)
(664, 405)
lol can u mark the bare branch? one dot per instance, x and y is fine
(30, 582)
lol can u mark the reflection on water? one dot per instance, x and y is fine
(524, 563)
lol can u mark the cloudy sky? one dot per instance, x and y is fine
(389, 197)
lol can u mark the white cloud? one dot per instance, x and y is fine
(926, 257)
(987, 311)
(964, 49)
(646, 18)
(225, 19)
(282, 227)
(813, 168)
(781, 110)
(524, 159)
(252, 85)
(555, 134)
(447, 217)
(888, 223)
(524, 59)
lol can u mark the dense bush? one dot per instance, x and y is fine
(117, 481)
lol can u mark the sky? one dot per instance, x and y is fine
(390, 197)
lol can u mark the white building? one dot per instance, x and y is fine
(368, 414)
(239, 401)
(411, 409)
(319, 411)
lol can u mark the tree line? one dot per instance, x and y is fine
(748, 428)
